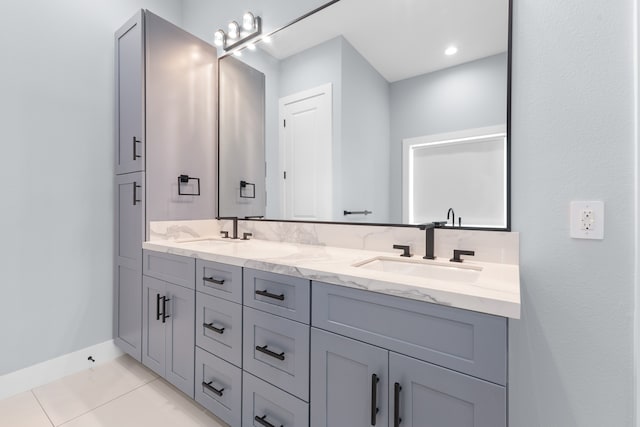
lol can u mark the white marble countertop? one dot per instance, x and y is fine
(495, 291)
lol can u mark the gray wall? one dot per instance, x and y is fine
(365, 134)
(467, 96)
(571, 354)
(56, 122)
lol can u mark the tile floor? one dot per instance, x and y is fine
(120, 393)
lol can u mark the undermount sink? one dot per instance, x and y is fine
(423, 268)
(209, 241)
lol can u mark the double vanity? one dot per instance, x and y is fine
(278, 323)
(272, 333)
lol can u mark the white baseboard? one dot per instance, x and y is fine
(53, 369)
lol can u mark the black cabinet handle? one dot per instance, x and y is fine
(135, 151)
(262, 420)
(164, 309)
(212, 389)
(268, 352)
(374, 398)
(212, 280)
(396, 405)
(213, 328)
(158, 298)
(135, 193)
(268, 294)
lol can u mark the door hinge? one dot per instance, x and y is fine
(285, 174)
(285, 122)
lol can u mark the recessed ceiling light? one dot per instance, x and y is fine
(266, 39)
(451, 50)
(237, 53)
(251, 46)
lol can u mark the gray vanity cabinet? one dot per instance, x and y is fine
(165, 127)
(129, 233)
(168, 325)
(464, 386)
(349, 382)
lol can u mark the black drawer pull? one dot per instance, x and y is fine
(396, 405)
(212, 389)
(210, 327)
(158, 298)
(268, 294)
(374, 398)
(268, 352)
(165, 316)
(264, 422)
(212, 280)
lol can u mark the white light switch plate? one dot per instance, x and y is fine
(587, 220)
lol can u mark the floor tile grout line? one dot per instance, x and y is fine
(106, 403)
(41, 407)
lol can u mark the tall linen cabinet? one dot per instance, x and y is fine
(165, 148)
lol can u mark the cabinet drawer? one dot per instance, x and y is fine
(262, 400)
(220, 280)
(274, 293)
(219, 327)
(277, 350)
(170, 268)
(465, 341)
(219, 387)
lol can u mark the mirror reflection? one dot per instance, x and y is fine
(378, 111)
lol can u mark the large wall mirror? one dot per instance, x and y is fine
(371, 111)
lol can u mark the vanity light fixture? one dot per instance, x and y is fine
(234, 37)
(451, 50)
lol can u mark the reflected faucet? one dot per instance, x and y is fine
(235, 224)
(453, 214)
(430, 237)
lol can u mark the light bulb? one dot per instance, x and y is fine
(248, 21)
(234, 30)
(451, 50)
(218, 38)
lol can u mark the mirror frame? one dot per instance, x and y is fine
(508, 126)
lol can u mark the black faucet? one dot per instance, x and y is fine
(430, 237)
(235, 224)
(453, 220)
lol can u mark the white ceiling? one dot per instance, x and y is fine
(403, 38)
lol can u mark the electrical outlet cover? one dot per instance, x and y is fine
(587, 220)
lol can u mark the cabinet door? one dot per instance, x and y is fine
(430, 396)
(129, 70)
(128, 226)
(153, 330)
(180, 336)
(348, 382)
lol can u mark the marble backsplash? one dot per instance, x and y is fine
(489, 246)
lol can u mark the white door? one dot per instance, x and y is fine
(305, 150)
